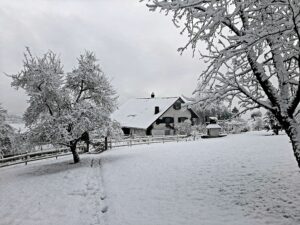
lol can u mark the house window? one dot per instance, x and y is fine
(126, 131)
(182, 119)
(177, 105)
(167, 120)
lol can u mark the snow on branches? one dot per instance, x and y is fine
(253, 48)
(65, 107)
(253, 53)
(6, 134)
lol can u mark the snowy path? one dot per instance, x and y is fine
(239, 179)
(52, 192)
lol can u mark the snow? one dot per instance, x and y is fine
(52, 191)
(239, 179)
(139, 112)
(213, 126)
(249, 178)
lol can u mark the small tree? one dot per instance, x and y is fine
(64, 108)
(6, 134)
(214, 110)
(272, 122)
(253, 50)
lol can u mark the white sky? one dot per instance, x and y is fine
(137, 49)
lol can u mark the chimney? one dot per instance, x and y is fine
(156, 110)
(152, 95)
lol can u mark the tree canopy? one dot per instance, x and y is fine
(252, 55)
(64, 107)
(6, 133)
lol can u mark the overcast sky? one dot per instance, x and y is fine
(136, 48)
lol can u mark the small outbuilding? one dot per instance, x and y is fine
(213, 130)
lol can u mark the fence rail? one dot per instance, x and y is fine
(112, 143)
(148, 140)
(34, 156)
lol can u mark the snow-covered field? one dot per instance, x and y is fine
(239, 179)
(52, 192)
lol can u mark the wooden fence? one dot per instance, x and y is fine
(148, 140)
(112, 143)
(34, 156)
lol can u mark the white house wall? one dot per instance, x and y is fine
(159, 132)
(159, 129)
(138, 132)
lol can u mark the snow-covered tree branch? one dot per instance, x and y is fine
(65, 107)
(253, 53)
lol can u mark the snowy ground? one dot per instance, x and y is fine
(239, 179)
(52, 192)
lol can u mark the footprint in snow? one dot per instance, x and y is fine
(104, 209)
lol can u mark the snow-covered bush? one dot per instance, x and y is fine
(199, 128)
(271, 123)
(258, 124)
(214, 109)
(236, 125)
(65, 107)
(6, 134)
(184, 128)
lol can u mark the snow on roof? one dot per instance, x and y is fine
(139, 112)
(213, 126)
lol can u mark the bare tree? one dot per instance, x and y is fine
(253, 53)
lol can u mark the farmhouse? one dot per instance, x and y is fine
(153, 116)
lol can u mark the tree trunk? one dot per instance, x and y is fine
(276, 131)
(88, 146)
(292, 129)
(86, 138)
(74, 152)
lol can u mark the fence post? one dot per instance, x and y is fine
(57, 153)
(105, 143)
(26, 158)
